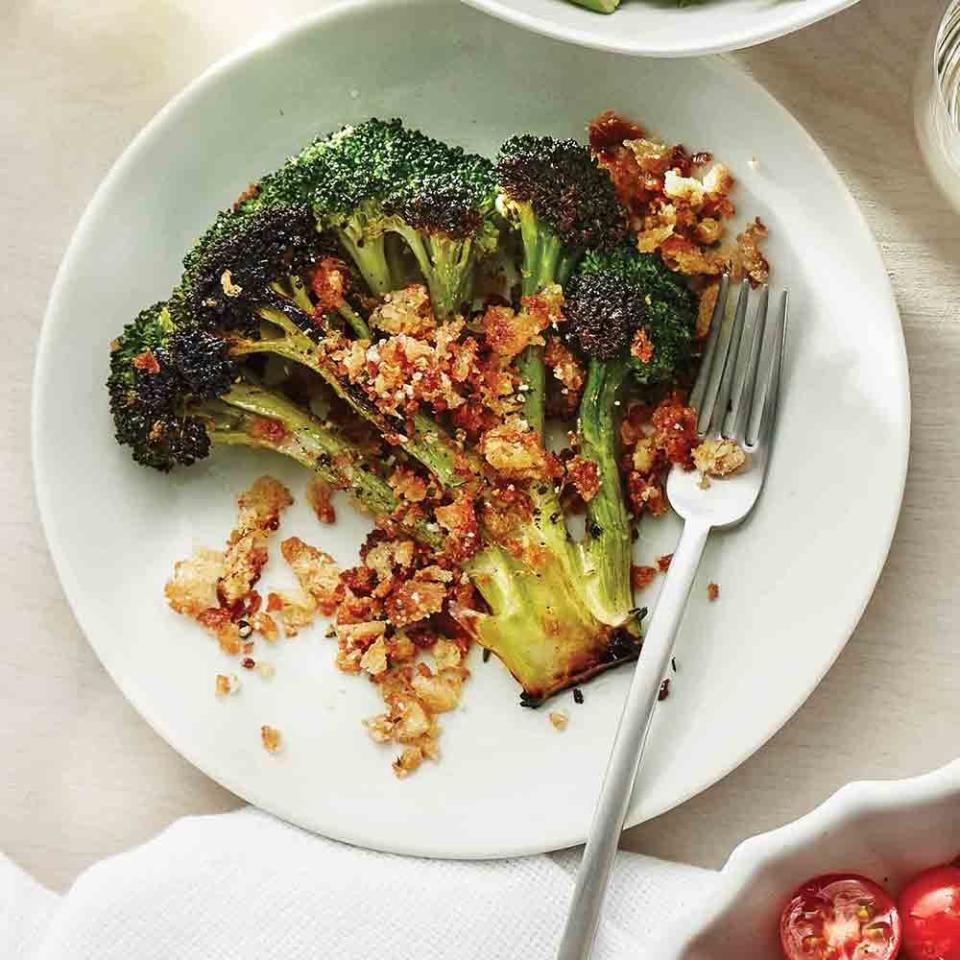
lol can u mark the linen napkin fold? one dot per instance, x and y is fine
(246, 885)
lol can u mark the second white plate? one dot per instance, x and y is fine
(793, 581)
(665, 28)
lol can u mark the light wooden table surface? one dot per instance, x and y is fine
(83, 777)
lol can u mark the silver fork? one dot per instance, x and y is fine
(736, 398)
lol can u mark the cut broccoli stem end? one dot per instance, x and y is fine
(607, 547)
(540, 624)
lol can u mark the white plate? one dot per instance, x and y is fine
(794, 581)
(888, 830)
(661, 28)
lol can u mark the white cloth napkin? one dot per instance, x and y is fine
(245, 885)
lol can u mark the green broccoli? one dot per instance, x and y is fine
(175, 390)
(634, 319)
(377, 178)
(188, 374)
(246, 281)
(562, 203)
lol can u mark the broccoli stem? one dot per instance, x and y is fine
(545, 261)
(359, 326)
(539, 624)
(369, 253)
(607, 548)
(300, 296)
(427, 441)
(297, 295)
(446, 265)
(308, 441)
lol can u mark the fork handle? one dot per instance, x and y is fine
(611, 810)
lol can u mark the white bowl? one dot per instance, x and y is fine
(886, 830)
(659, 28)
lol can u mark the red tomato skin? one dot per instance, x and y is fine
(930, 911)
(815, 900)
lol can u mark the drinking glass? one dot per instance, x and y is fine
(937, 103)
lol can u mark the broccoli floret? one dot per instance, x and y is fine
(634, 319)
(248, 261)
(617, 295)
(244, 282)
(444, 211)
(367, 181)
(175, 391)
(145, 389)
(562, 203)
(343, 178)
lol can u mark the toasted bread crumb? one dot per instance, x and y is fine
(227, 684)
(271, 738)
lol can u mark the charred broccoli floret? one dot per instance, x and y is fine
(343, 178)
(367, 181)
(634, 319)
(255, 260)
(175, 391)
(561, 203)
(444, 213)
(244, 281)
(145, 389)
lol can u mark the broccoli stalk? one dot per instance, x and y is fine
(243, 281)
(540, 623)
(236, 417)
(361, 235)
(174, 392)
(634, 320)
(607, 547)
(562, 203)
(446, 263)
(423, 438)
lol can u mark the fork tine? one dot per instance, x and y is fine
(717, 397)
(710, 348)
(743, 389)
(767, 390)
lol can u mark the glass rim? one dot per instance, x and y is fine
(949, 21)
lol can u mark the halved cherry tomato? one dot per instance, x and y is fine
(840, 916)
(930, 909)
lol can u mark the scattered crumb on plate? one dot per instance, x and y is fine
(227, 684)
(271, 738)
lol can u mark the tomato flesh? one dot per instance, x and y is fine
(930, 909)
(840, 916)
